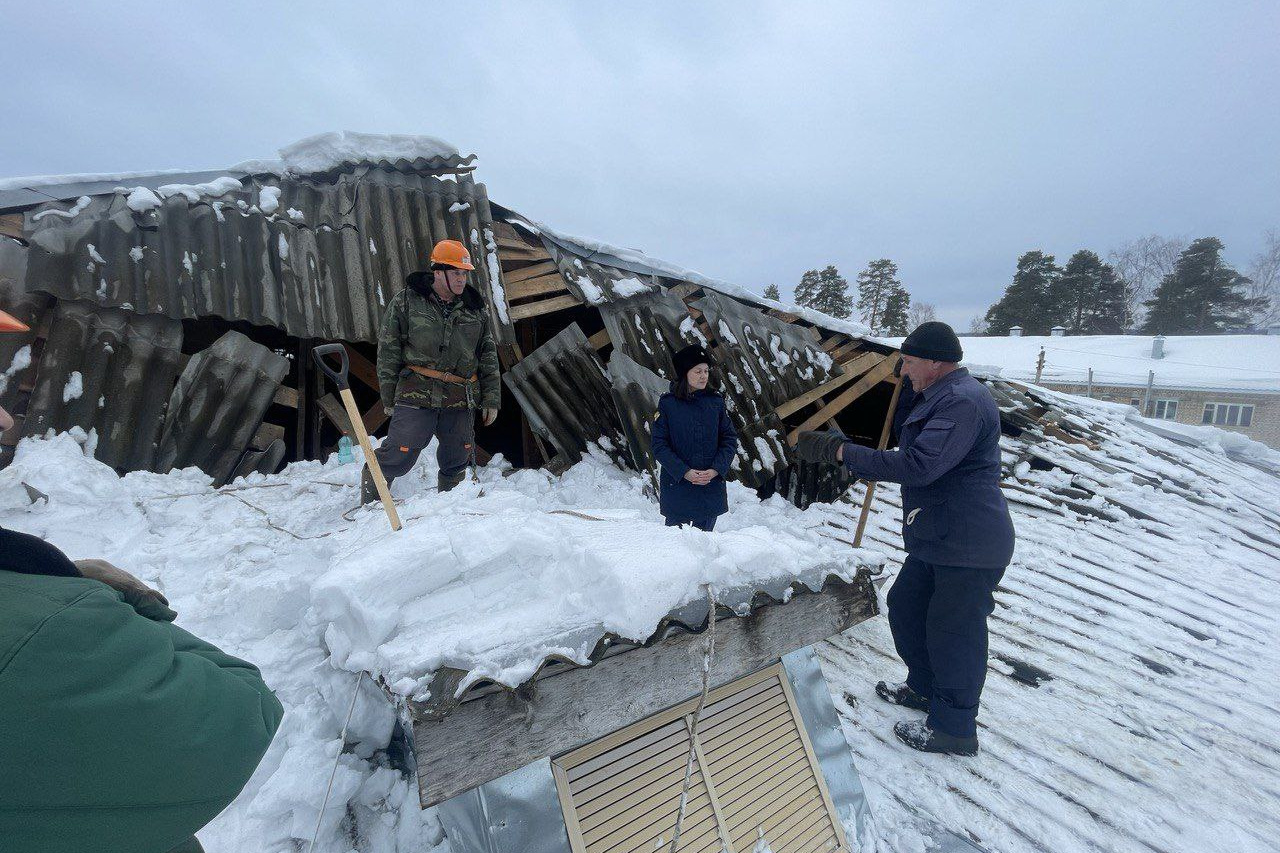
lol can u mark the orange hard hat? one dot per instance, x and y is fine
(451, 253)
(10, 323)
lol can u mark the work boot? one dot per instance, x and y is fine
(917, 735)
(447, 482)
(901, 694)
(369, 489)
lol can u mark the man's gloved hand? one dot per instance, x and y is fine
(148, 602)
(813, 446)
(490, 415)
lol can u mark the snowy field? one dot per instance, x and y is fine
(1131, 701)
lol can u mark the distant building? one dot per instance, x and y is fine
(1229, 381)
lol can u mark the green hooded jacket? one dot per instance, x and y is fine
(419, 329)
(121, 733)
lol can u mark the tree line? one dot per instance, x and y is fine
(883, 303)
(1152, 285)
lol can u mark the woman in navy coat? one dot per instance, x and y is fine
(694, 443)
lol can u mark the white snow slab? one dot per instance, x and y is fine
(268, 570)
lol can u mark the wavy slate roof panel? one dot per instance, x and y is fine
(317, 259)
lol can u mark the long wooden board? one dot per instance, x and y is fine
(873, 377)
(546, 306)
(852, 370)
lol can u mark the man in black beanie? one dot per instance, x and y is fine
(956, 529)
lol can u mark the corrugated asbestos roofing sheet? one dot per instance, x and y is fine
(107, 371)
(691, 618)
(317, 258)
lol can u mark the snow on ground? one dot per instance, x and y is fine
(269, 570)
(1220, 362)
(1131, 697)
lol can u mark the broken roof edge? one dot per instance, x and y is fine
(633, 260)
(316, 155)
(688, 618)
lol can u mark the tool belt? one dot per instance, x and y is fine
(442, 376)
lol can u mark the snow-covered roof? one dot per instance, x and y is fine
(320, 153)
(1218, 362)
(636, 261)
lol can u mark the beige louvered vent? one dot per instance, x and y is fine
(755, 776)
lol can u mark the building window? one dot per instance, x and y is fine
(1227, 414)
(1136, 403)
(1166, 410)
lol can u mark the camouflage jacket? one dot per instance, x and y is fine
(419, 329)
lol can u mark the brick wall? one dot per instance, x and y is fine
(1265, 426)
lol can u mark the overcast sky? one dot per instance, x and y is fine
(749, 141)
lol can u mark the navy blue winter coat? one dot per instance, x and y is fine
(693, 434)
(948, 462)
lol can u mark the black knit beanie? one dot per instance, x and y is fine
(933, 340)
(689, 358)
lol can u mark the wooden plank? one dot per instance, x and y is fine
(333, 409)
(873, 377)
(813, 759)
(11, 225)
(525, 273)
(847, 349)
(836, 340)
(599, 340)
(363, 369)
(495, 734)
(784, 316)
(286, 396)
(852, 370)
(535, 309)
(266, 434)
(374, 418)
(553, 283)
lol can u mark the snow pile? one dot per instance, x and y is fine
(81, 203)
(328, 151)
(1223, 362)
(268, 570)
(194, 192)
(141, 199)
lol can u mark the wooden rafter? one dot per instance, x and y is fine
(553, 283)
(11, 225)
(873, 377)
(546, 306)
(852, 370)
(533, 271)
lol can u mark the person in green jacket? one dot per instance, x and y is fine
(437, 364)
(119, 731)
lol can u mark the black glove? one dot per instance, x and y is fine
(820, 446)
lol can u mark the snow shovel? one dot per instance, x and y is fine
(339, 378)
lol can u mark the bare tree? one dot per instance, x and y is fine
(1265, 284)
(978, 324)
(1142, 263)
(920, 312)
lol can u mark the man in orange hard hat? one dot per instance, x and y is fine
(9, 323)
(437, 364)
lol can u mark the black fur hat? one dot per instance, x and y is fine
(689, 358)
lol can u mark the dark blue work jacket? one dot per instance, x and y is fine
(693, 434)
(948, 462)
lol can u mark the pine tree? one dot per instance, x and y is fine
(1089, 298)
(825, 291)
(771, 292)
(1025, 301)
(894, 320)
(807, 289)
(1202, 295)
(877, 285)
